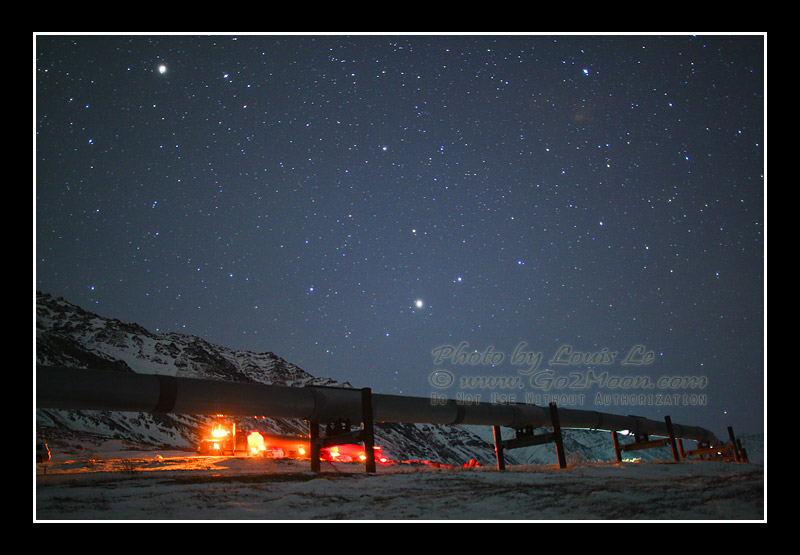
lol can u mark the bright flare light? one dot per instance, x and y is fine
(255, 442)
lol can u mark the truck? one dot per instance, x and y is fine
(222, 439)
(225, 439)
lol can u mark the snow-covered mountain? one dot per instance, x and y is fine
(67, 335)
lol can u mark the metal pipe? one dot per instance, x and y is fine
(81, 389)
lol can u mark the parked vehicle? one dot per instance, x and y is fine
(225, 439)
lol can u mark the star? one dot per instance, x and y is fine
(568, 217)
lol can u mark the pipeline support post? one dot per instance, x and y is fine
(673, 445)
(742, 451)
(734, 447)
(313, 443)
(368, 429)
(498, 448)
(340, 432)
(641, 441)
(525, 437)
(557, 437)
(617, 448)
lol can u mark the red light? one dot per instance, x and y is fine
(351, 453)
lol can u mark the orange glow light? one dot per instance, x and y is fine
(255, 442)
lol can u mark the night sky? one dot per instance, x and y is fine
(361, 204)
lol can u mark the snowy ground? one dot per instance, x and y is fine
(124, 485)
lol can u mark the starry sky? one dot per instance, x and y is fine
(577, 218)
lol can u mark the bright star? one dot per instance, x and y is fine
(162, 69)
(418, 303)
